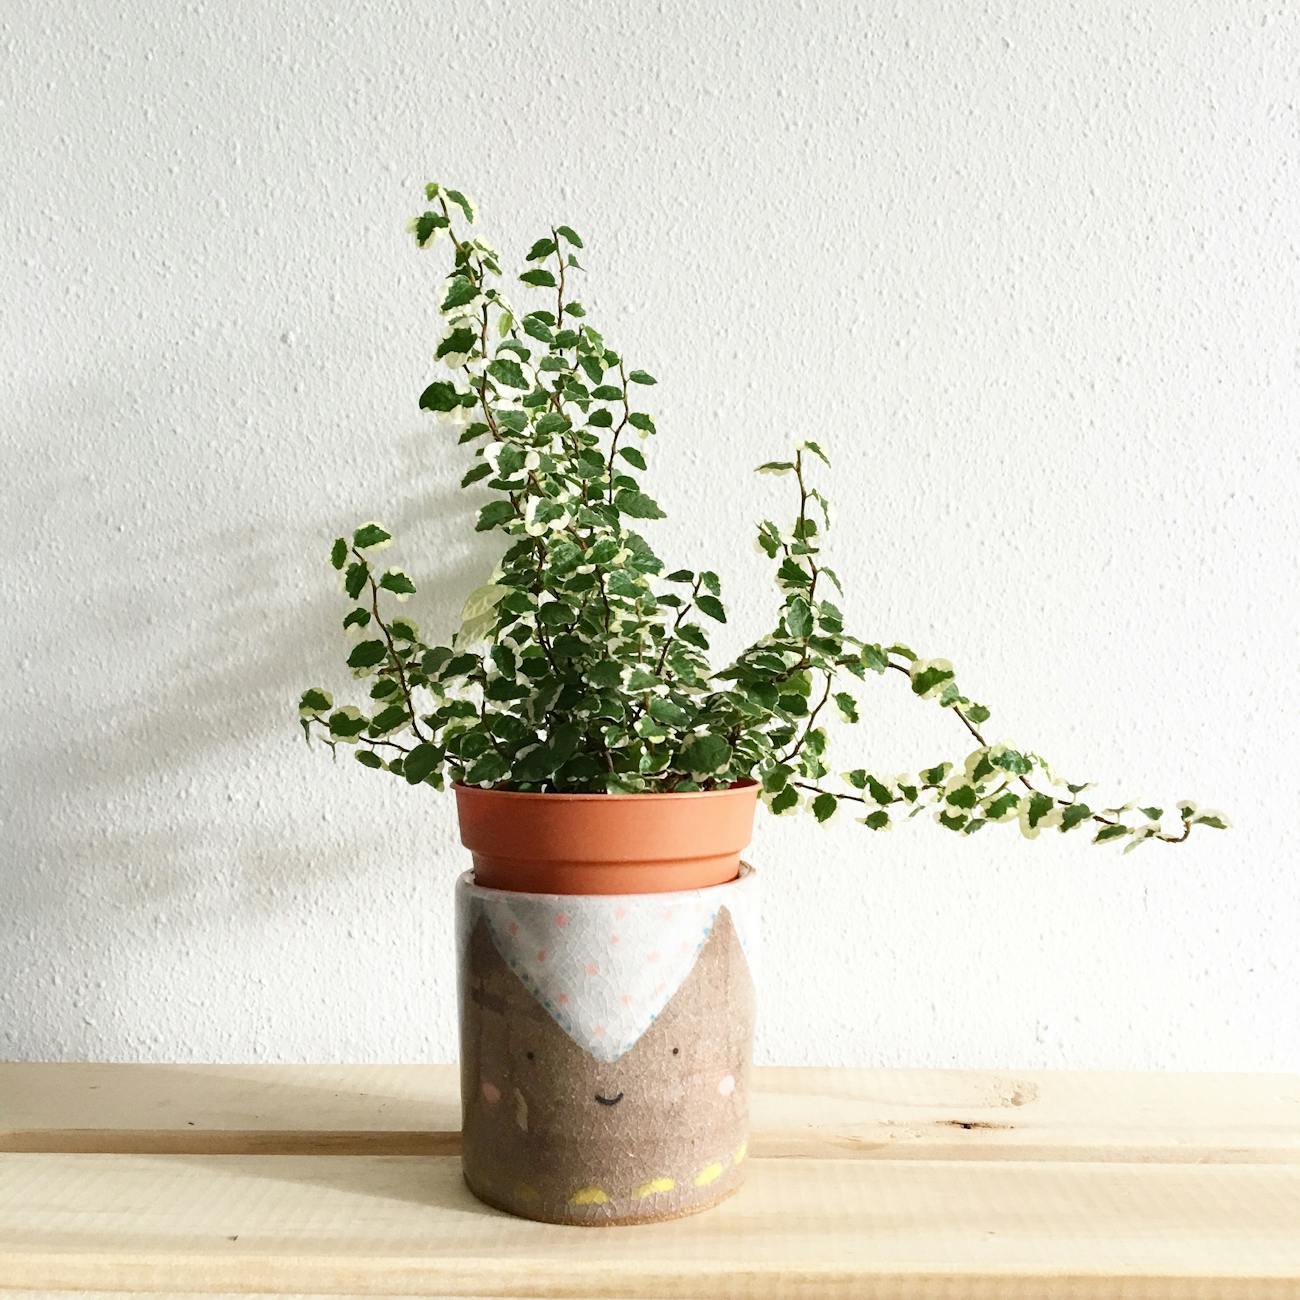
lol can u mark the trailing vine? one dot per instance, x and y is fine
(583, 665)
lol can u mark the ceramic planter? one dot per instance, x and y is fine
(605, 1048)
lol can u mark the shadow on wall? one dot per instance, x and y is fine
(175, 673)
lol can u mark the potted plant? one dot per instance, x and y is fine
(606, 772)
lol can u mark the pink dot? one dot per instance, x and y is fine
(561, 920)
(562, 998)
(513, 928)
(599, 1031)
(627, 999)
(592, 968)
(660, 989)
(653, 956)
(620, 913)
(727, 1084)
(668, 913)
(541, 956)
(613, 938)
(491, 1093)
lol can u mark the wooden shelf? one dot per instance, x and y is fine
(183, 1181)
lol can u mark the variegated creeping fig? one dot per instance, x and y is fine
(583, 665)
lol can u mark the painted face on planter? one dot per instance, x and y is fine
(544, 1103)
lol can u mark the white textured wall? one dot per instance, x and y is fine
(1030, 271)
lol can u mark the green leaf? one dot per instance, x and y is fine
(875, 658)
(538, 330)
(459, 342)
(818, 452)
(1109, 833)
(493, 514)
(1073, 814)
(641, 377)
(705, 754)
(491, 767)
(798, 618)
(824, 806)
(542, 248)
(1039, 806)
(347, 724)
(434, 659)
(394, 716)
(462, 203)
(314, 701)
(977, 713)
(369, 535)
(507, 372)
(570, 235)
(670, 714)
(427, 225)
(460, 291)
(632, 456)
(784, 801)
(1155, 814)
(880, 792)
(775, 778)
(366, 654)
(397, 582)
(637, 505)
(358, 572)
(929, 677)
(1001, 806)
(339, 552)
(640, 420)
(421, 762)
(440, 396)
(711, 606)
(368, 758)
(1010, 760)
(876, 821)
(476, 472)
(542, 279)
(847, 706)
(1212, 820)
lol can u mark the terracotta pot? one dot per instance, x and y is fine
(606, 843)
(605, 1049)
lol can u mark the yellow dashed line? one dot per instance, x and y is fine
(588, 1196)
(707, 1175)
(741, 1152)
(655, 1185)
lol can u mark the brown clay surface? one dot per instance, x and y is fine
(552, 1133)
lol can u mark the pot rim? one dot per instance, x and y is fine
(747, 783)
(465, 883)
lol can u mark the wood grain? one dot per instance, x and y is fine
(341, 1181)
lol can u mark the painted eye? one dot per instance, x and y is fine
(530, 1056)
(676, 1050)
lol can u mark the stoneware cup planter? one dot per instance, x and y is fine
(606, 1036)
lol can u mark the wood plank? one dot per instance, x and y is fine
(865, 1114)
(812, 1227)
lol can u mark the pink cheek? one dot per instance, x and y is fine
(491, 1093)
(727, 1084)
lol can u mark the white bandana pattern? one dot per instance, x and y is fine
(605, 966)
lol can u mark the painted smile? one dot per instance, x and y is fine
(609, 1101)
